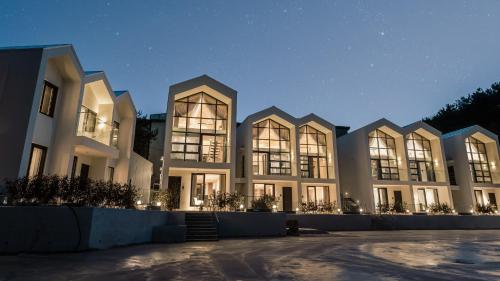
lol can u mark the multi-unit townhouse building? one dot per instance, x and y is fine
(291, 159)
(56, 119)
(200, 135)
(384, 166)
(472, 157)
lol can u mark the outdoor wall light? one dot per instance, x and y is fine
(241, 206)
(472, 211)
(407, 211)
(361, 211)
(139, 202)
(274, 208)
(297, 210)
(158, 203)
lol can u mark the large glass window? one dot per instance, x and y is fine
(200, 129)
(383, 155)
(37, 160)
(49, 97)
(115, 133)
(420, 158)
(313, 153)
(478, 160)
(271, 148)
(205, 185)
(318, 194)
(261, 189)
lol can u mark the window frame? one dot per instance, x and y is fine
(199, 132)
(469, 141)
(222, 179)
(42, 161)
(307, 158)
(274, 157)
(53, 99)
(315, 188)
(415, 174)
(264, 185)
(380, 160)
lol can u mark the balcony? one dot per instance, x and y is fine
(93, 127)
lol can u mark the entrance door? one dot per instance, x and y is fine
(493, 199)
(174, 186)
(398, 198)
(287, 199)
(84, 172)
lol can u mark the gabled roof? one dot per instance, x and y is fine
(421, 125)
(468, 131)
(91, 72)
(273, 110)
(203, 80)
(119, 93)
(124, 101)
(28, 47)
(313, 117)
(377, 124)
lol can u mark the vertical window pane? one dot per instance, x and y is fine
(37, 161)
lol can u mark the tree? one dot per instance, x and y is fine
(143, 135)
(479, 108)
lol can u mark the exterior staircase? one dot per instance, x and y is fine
(201, 226)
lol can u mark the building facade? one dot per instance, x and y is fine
(200, 135)
(472, 157)
(56, 119)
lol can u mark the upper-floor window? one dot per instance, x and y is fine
(313, 153)
(478, 160)
(115, 133)
(49, 97)
(199, 131)
(271, 148)
(420, 158)
(384, 163)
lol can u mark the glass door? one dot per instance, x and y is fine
(422, 200)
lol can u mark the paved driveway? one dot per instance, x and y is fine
(408, 255)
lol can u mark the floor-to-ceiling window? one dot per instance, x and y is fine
(478, 160)
(313, 153)
(205, 185)
(37, 160)
(420, 158)
(271, 148)
(383, 155)
(318, 194)
(199, 130)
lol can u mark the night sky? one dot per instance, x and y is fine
(351, 62)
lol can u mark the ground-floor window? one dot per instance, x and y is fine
(204, 185)
(426, 197)
(479, 197)
(381, 198)
(261, 189)
(37, 160)
(111, 174)
(318, 194)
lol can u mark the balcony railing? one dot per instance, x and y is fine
(212, 153)
(97, 129)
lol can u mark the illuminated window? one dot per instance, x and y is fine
(200, 129)
(205, 185)
(261, 189)
(318, 194)
(271, 148)
(420, 158)
(37, 160)
(478, 160)
(313, 153)
(384, 162)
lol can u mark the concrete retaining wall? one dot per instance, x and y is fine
(60, 229)
(391, 222)
(251, 224)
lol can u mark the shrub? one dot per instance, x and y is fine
(169, 199)
(50, 190)
(264, 203)
(438, 208)
(398, 207)
(485, 209)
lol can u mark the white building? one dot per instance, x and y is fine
(291, 159)
(57, 119)
(387, 167)
(473, 157)
(200, 135)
